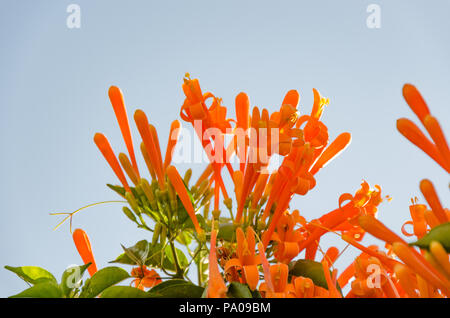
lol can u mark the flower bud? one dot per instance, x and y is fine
(202, 187)
(206, 211)
(148, 191)
(208, 195)
(156, 233)
(163, 235)
(187, 176)
(133, 203)
(129, 214)
(216, 214)
(228, 203)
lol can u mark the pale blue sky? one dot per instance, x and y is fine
(53, 97)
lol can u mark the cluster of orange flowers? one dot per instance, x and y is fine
(268, 236)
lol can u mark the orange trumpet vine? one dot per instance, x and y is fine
(145, 278)
(148, 135)
(216, 284)
(105, 148)
(180, 189)
(118, 104)
(428, 191)
(279, 278)
(439, 150)
(83, 246)
(246, 259)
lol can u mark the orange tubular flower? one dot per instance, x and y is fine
(178, 185)
(415, 101)
(371, 279)
(259, 189)
(418, 222)
(116, 97)
(346, 275)
(378, 229)
(296, 174)
(439, 150)
(246, 259)
(405, 275)
(242, 122)
(303, 287)
(440, 255)
(287, 237)
(145, 278)
(266, 268)
(408, 255)
(331, 255)
(434, 129)
(372, 251)
(331, 281)
(173, 137)
(430, 195)
(83, 246)
(260, 149)
(105, 148)
(332, 151)
(213, 118)
(344, 219)
(421, 267)
(279, 278)
(151, 145)
(216, 284)
(411, 132)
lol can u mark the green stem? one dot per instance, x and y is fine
(180, 272)
(200, 272)
(143, 224)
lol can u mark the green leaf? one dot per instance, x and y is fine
(169, 262)
(176, 288)
(121, 190)
(238, 290)
(440, 233)
(103, 279)
(153, 256)
(184, 238)
(123, 259)
(43, 289)
(118, 189)
(71, 278)
(32, 274)
(138, 253)
(124, 292)
(310, 269)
